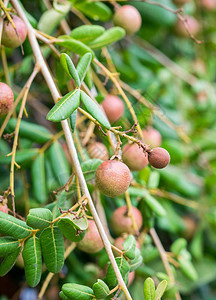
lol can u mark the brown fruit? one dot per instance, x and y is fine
(92, 242)
(4, 208)
(152, 137)
(159, 158)
(192, 25)
(122, 223)
(128, 17)
(113, 178)
(134, 157)
(190, 227)
(119, 244)
(6, 98)
(180, 2)
(209, 5)
(98, 150)
(113, 107)
(9, 35)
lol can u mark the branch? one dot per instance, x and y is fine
(56, 95)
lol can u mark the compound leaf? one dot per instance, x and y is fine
(9, 261)
(7, 245)
(77, 291)
(83, 65)
(39, 218)
(69, 67)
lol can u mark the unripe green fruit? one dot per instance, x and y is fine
(128, 17)
(98, 150)
(152, 137)
(4, 208)
(113, 178)
(92, 242)
(159, 157)
(192, 25)
(6, 98)
(134, 157)
(209, 5)
(9, 35)
(113, 107)
(122, 223)
(119, 244)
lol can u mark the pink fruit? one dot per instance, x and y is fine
(4, 208)
(98, 150)
(122, 223)
(92, 242)
(152, 137)
(128, 17)
(134, 157)
(6, 98)
(209, 5)
(113, 107)
(159, 158)
(131, 277)
(192, 25)
(113, 178)
(12, 38)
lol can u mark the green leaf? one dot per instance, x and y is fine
(31, 131)
(80, 223)
(69, 231)
(39, 218)
(96, 10)
(59, 163)
(32, 261)
(51, 18)
(83, 65)
(87, 33)
(110, 36)
(129, 246)
(178, 246)
(124, 269)
(155, 206)
(94, 110)
(52, 244)
(153, 180)
(187, 267)
(39, 179)
(101, 290)
(73, 119)
(74, 45)
(23, 156)
(7, 245)
(137, 261)
(89, 168)
(69, 67)
(160, 290)
(77, 291)
(149, 289)
(9, 261)
(13, 227)
(64, 107)
(63, 296)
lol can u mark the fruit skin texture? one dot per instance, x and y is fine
(4, 208)
(98, 150)
(112, 178)
(159, 157)
(134, 157)
(152, 137)
(9, 35)
(92, 242)
(6, 98)
(128, 17)
(192, 25)
(122, 223)
(113, 107)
